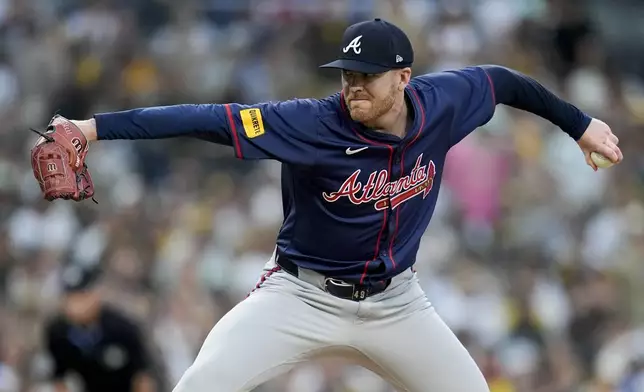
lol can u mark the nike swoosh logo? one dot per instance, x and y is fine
(349, 151)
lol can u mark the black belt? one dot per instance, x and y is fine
(339, 288)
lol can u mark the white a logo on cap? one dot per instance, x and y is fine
(354, 44)
(399, 59)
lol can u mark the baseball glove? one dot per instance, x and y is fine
(58, 162)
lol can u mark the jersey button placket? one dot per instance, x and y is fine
(394, 175)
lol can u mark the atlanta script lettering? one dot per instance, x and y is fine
(386, 193)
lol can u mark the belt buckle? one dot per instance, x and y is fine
(357, 294)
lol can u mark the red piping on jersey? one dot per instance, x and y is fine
(233, 131)
(489, 79)
(263, 278)
(402, 168)
(385, 212)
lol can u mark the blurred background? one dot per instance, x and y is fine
(532, 258)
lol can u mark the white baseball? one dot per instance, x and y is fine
(600, 160)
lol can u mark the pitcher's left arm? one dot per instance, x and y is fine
(474, 93)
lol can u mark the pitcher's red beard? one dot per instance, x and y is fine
(361, 110)
(367, 110)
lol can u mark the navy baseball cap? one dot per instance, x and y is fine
(373, 47)
(77, 278)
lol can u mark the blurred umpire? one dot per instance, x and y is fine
(102, 346)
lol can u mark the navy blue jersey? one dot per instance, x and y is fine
(356, 201)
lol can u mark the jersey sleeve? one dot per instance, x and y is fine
(56, 348)
(286, 131)
(138, 350)
(468, 93)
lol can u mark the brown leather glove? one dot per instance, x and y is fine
(58, 162)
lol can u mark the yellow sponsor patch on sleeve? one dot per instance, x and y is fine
(252, 121)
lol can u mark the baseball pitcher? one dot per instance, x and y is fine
(361, 170)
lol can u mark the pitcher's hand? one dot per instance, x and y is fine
(599, 138)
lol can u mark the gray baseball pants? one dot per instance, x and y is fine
(287, 320)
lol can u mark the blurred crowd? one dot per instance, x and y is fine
(532, 258)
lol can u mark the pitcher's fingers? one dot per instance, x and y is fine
(590, 162)
(613, 138)
(617, 151)
(620, 156)
(608, 150)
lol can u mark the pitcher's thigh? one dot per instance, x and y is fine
(260, 338)
(419, 353)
